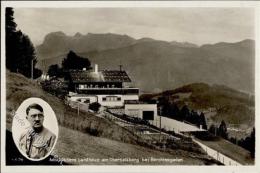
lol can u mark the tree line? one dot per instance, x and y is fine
(71, 62)
(247, 143)
(56, 86)
(21, 56)
(20, 52)
(171, 110)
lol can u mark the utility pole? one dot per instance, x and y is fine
(32, 69)
(160, 112)
(76, 118)
(215, 131)
(78, 109)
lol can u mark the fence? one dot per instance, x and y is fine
(174, 125)
(217, 155)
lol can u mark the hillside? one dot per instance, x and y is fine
(158, 65)
(104, 148)
(77, 141)
(236, 50)
(19, 88)
(216, 101)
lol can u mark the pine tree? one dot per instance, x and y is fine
(27, 56)
(54, 70)
(12, 39)
(73, 61)
(222, 130)
(213, 129)
(184, 112)
(20, 52)
(174, 111)
(9, 22)
(203, 121)
(252, 143)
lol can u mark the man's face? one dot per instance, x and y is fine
(35, 118)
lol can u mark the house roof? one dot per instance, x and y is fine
(115, 76)
(102, 76)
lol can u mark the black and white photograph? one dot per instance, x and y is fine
(35, 129)
(129, 84)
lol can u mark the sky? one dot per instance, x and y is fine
(196, 25)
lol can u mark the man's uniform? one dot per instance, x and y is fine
(37, 145)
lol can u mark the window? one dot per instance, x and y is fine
(112, 98)
(148, 115)
(87, 101)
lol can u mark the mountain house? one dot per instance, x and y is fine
(110, 88)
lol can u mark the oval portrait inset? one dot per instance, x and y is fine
(35, 129)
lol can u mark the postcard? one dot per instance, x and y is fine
(129, 86)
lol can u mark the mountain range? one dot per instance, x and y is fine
(155, 65)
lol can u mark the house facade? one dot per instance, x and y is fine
(108, 87)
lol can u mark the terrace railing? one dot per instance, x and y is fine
(108, 91)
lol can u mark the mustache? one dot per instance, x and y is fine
(37, 121)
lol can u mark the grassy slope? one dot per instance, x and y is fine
(19, 88)
(231, 105)
(72, 143)
(233, 151)
(100, 148)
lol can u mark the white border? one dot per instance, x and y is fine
(155, 4)
(151, 4)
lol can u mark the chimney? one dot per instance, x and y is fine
(96, 68)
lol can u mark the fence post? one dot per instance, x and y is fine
(78, 108)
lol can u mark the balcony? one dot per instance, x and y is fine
(108, 91)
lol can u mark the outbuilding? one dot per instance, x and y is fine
(141, 110)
